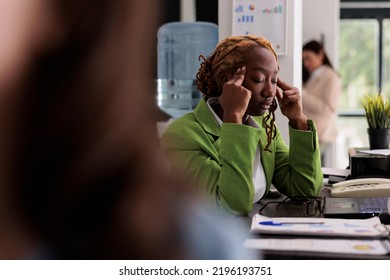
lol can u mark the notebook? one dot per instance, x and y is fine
(355, 208)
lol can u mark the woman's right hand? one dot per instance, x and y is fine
(235, 98)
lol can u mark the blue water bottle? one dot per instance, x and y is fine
(179, 47)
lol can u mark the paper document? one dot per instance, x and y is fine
(336, 171)
(366, 228)
(385, 152)
(366, 247)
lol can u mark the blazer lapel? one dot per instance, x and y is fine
(209, 124)
(206, 118)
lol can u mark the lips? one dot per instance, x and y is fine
(265, 106)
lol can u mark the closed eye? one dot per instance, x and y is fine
(258, 80)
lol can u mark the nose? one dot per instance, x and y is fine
(269, 90)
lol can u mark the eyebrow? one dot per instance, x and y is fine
(264, 70)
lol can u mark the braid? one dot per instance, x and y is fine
(204, 77)
(270, 128)
(215, 70)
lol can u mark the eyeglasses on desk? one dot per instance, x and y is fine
(295, 207)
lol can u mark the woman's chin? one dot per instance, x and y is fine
(257, 113)
(264, 109)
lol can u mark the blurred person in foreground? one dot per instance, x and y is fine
(81, 177)
(321, 93)
(229, 145)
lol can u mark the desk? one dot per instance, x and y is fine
(296, 211)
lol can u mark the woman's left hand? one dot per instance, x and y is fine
(291, 106)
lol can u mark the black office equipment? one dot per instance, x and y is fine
(364, 165)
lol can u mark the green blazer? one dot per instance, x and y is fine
(219, 159)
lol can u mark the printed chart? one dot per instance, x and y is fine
(266, 18)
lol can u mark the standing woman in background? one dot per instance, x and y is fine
(321, 94)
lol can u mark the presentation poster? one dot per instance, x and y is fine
(266, 18)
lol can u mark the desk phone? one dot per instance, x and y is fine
(366, 187)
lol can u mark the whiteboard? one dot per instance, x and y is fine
(265, 18)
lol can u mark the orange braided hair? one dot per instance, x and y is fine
(216, 70)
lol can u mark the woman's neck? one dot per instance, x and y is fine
(218, 110)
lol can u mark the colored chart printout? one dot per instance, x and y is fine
(266, 18)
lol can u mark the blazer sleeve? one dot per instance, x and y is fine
(222, 167)
(297, 170)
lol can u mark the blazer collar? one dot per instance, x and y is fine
(206, 118)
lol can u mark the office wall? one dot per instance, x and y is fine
(187, 8)
(321, 19)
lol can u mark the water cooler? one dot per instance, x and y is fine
(179, 46)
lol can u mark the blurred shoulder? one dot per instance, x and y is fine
(329, 72)
(184, 124)
(206, 237)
